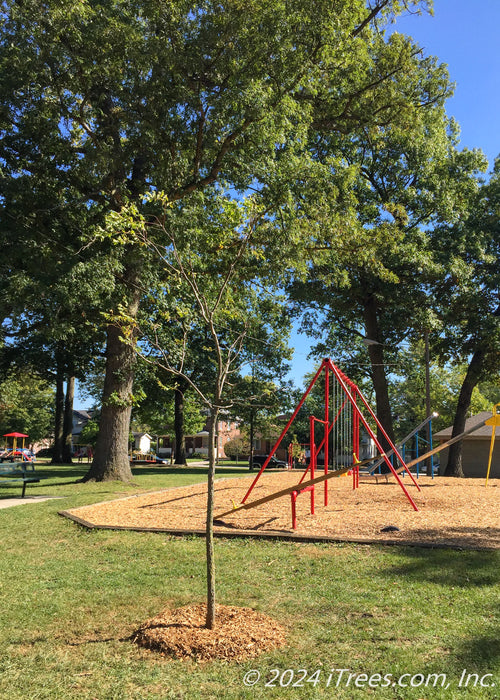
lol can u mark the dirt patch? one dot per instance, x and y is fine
(239, 634)
(451, 512)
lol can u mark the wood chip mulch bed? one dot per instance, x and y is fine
(460, 513)
(239, 634)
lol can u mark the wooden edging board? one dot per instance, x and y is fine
(271, 535)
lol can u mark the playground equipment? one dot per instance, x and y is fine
(493, 421)
(446, 444)
(345, 411)
(350, 410)
(401, 445)
(14, 437)
(294, 491)
(17, 453)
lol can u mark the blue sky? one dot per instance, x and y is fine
(464, 35)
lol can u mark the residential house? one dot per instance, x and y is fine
(198, 443)
(80, 419)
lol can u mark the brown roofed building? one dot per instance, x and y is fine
(475, 448)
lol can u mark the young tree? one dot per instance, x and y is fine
(219, 257)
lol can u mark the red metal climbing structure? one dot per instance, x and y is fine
(345, 411)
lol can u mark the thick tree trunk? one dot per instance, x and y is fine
(111, 460)
(376, 355)
(68, 421)
(57, 454)
(180, 438)
(472, 378)
(210, 621)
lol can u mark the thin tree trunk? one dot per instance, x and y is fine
(472, 378)
(68, 421)
(210, 621)
(57, 454)
(376, 355)
(180, 438)
(111, 460)
(252, 431)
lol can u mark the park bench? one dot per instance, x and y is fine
(18, 471)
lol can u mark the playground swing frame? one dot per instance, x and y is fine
(351, 393)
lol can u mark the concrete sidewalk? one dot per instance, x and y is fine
(8, 502)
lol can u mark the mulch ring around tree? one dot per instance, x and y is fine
(239, 634)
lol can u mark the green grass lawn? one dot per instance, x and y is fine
(71, 599)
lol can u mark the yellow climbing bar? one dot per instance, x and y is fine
(493, 421)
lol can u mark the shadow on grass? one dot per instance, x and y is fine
(463, 576)
(70, 472)
(99, 640)
(448, 568)
(478, 652)
(199, 471)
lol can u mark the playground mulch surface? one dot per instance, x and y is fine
(460, 513)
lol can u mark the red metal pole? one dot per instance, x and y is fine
(318, 450)
(330, 428)
(387, 461)
(355, 445)
(304, 474)
(313, 457)
(299, 406)
(325, 440)
(294, 512)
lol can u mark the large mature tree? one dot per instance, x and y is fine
(26, 405)
(54, 323)
(105, 102)
(469, 298)
(375, 288)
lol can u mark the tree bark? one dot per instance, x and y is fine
(111, 460)
(180, 438)
(210, 620)
(68, 421)
(376, 355)
(252, 431)
(472, 378)
(57, 454)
